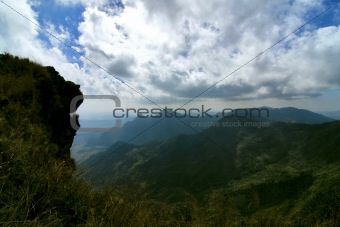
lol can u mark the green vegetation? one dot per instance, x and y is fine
(285, 174)
(37, 186)
(282, 175)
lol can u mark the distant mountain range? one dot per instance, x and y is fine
(252, 167)
(136, 131)
(222, 136)
(295, 115)
(223, 158)
(332, 114)
(143, 130)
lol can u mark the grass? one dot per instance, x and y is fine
(38, 186)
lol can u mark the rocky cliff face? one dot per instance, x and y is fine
(40, 95)
(35, 139)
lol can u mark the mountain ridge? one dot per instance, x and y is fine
(279, 174)
(275, 166)
(133, 131)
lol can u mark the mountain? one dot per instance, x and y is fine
(136, 131)
(216, 147)
(284, 168)
(332, 114)
(295, 115)
(238, 173)
(39, 186)
(144, 130)
(80, 151)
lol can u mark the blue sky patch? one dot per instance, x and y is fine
(68, 17)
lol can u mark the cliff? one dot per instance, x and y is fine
(283, 175)
(40, 96)
(35, 139)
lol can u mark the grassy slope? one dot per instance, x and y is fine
(38, 186)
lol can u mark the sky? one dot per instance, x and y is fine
(179, 52)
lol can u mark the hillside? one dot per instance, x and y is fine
(295, 115)
(285, 174)
(332, 114)
(143, 130)
(37, 182)
(288, 169)
(35, 141)
(284, 114)
(137, 131)
(133, 131)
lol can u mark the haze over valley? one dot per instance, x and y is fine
(169, 113)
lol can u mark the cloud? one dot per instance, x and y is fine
(172, 51)
(180, 49)
(61, 33)
(20, 37)
(83, 2)
(122, 66)
(11, 23)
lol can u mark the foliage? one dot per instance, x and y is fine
(291, 178)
